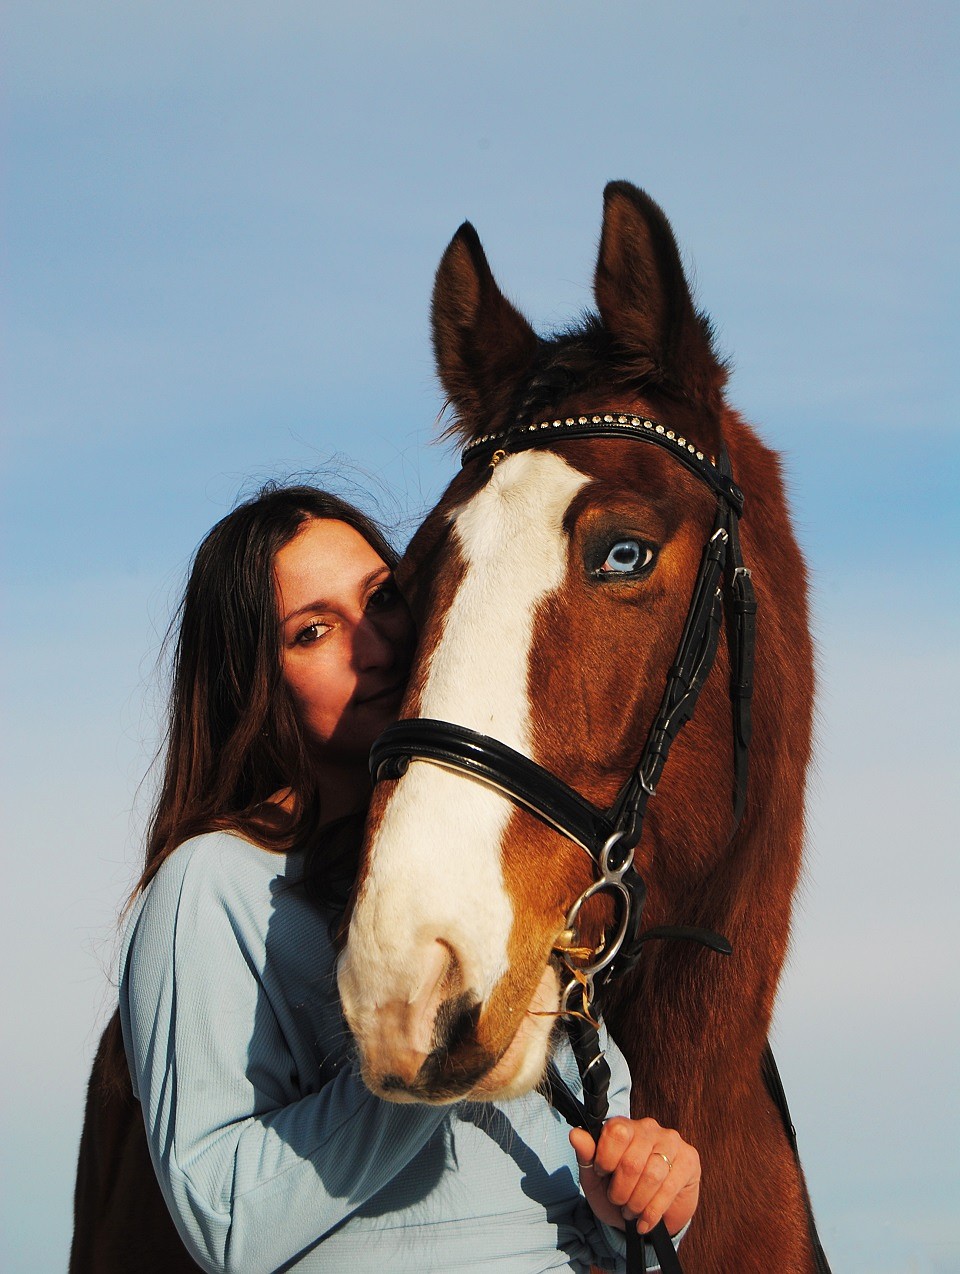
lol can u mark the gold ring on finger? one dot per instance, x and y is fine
(664, 1158)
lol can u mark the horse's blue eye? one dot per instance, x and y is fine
(626, 557)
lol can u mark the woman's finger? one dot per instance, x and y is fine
(593, 1180)
(584, 1146)
(674, 1199)
(625, 1144)
(644, 1167)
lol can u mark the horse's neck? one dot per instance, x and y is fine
(693, 1023)
(693, 1026)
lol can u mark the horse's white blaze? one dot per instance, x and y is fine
(435, 871)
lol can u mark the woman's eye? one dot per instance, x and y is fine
(626, 557)
(312, 632)
(385, 596)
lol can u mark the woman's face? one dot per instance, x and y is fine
(347, 636)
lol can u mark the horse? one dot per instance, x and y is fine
(121, 1221)
(550, 586)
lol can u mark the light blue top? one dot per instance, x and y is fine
(271, 1152)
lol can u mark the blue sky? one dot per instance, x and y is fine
(221, 225)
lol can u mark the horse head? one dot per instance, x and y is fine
(550, 587)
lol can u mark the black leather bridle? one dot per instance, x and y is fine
(723, 588)
(611, 836)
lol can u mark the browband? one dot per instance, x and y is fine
(610, 425)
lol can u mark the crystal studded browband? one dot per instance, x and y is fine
(608, 425)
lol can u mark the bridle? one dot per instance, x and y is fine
(610, 836)
(723, 584)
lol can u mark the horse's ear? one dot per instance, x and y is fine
(644, 300)
(484, 347)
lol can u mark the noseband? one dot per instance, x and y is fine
(610, 836)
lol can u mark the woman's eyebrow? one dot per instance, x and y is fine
(321, 603)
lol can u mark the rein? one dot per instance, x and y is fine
(723, 585)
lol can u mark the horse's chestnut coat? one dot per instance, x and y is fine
(522, 638)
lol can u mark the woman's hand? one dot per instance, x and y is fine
(638, 1170)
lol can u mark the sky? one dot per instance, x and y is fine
(220, 226)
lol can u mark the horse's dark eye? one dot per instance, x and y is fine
(626, 557)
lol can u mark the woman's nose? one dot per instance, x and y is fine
(376, 645)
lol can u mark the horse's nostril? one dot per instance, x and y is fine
(455, 1022)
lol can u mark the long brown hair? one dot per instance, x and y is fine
(233, 737)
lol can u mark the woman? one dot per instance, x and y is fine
(292, 655)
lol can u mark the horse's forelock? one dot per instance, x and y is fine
(580, 363)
